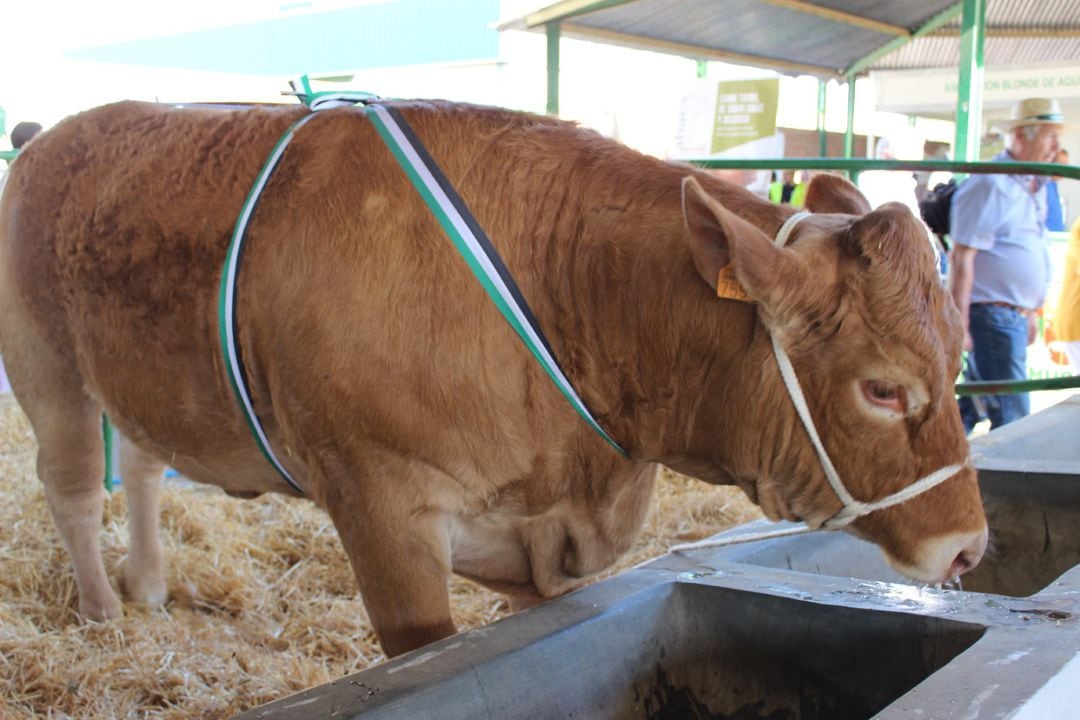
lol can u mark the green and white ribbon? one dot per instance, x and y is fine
(473, 244)
(452, 214)
(227, 319)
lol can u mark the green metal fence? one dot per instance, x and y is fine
(853, 166)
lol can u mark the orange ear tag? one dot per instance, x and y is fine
(729, 287)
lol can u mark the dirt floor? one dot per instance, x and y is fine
(263, 602)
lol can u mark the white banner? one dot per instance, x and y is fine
(935, 91)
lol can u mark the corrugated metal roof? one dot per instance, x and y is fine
(825, 37)
(944, 51)
(1018, 32)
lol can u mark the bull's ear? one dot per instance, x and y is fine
(833, 194)
(708, 238)
(771, 276)
(890, 236)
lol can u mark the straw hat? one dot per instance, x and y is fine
(1035, 111)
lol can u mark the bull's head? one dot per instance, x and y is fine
(856, 300)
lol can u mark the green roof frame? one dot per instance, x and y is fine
(555, 21)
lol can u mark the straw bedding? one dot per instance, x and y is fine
(263, 602)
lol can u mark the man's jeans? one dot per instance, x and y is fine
(999, 337)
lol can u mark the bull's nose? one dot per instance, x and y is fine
(969, 556)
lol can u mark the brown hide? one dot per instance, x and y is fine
(394, 391)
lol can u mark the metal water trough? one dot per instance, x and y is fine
(801, 628)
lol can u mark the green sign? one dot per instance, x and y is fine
(745, 111)
(3, 121)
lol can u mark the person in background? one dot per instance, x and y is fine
(1055, 211)
(1067, 318)
(1000, 265)
(882, 186)
(23, 133)
(789, 190)
(926, 180)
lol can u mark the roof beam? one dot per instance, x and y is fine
(928, 27)
(841, 17)
(694, 51)
(568, 9)
(1015, 31)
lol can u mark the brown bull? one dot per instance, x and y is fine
(399, 398)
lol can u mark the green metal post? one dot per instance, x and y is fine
(849, 134)
(970, 90)
(107, 437)
(823, 135)
(554, 31)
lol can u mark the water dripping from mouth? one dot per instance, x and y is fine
(953, 583)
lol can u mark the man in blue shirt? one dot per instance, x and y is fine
(1001, 259)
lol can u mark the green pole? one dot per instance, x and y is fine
(969, 99)
(849, 134)
(554, 31)
(107, 437)
(1012, 387)
(823, 135)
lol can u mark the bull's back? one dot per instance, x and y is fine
(115, 228)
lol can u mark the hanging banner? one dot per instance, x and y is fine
(745, 111)
(935, 91)
(725, 118)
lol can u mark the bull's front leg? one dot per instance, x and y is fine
(400, 551)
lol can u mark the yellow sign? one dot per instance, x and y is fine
(745, 111)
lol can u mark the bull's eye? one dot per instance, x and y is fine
(885, 395)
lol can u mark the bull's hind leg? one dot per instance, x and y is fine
(144, 568)
(71, 465)
(70, 460)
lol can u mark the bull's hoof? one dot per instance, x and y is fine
(142, 587)
(101, 609)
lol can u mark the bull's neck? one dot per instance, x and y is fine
(635, 327)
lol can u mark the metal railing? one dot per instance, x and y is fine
(857, 165)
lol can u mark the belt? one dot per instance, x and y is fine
(1016, 308)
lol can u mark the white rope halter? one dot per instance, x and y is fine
(852, 509)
